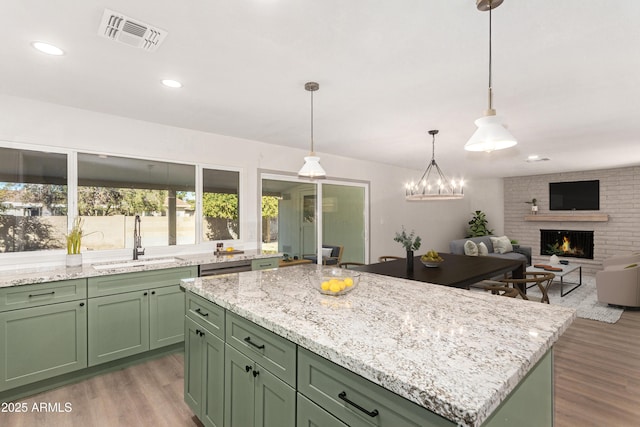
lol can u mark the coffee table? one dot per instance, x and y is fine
(566, 269)
(459, 271)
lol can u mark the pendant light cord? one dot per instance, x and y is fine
(490, 59)
(312, 152)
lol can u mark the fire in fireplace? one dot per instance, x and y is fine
(568, 243)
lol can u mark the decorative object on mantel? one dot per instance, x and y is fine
(311, 168)
(441, 188)
(491, 134)
(478, 225)
(534, 205)
(410, 242)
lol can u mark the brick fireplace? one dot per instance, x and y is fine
(616, 225)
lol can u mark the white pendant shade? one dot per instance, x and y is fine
(312, 168)
(491, 135)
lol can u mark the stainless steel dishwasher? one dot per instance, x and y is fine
(216, 268)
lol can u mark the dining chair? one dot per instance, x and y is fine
(349, 264)
(533, 278)
(385, 258)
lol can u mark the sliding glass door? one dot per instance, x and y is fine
(295, 224)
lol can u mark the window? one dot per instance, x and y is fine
(33, 200)
(113, 190)
(220, 204)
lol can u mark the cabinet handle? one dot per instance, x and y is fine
(343, 396)
(247, 368)
(255, 373)
(145, 294)
(81, 304)
(153, 292)
(201, 313)
(248, 341)
(199, 333)
(41, 295)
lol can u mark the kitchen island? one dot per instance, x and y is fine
(459, 354)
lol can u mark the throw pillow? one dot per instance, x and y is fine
(470, 248)
(326, 252)
(482, 249)
(501, 244)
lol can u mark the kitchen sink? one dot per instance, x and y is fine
(134, 263)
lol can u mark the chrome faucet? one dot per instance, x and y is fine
(137, 238)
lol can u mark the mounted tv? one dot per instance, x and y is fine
(574, 196)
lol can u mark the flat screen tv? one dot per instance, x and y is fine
(574, 196)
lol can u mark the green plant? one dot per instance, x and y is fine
(478, 225)
(410, 241)
(74, 238)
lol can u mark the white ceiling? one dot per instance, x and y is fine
(566, 74)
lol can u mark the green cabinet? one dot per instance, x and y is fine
(118, 326)
(42, 342)
(311, 415)
(264, 263)
(204, 373)
(135, 312)
(254, 396)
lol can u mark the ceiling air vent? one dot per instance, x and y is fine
(133, 32)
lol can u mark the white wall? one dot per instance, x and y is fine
(33, 122)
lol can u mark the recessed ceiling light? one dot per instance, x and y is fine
(535, 158)
(171, 83)
(48, 48)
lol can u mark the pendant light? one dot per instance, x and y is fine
(438, 189)
(312, 168)
(491, 134)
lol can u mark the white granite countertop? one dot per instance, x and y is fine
(456, 352)
(23, 276)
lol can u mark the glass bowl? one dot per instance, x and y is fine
(431, 264)
(336, 281)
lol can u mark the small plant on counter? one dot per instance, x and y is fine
(410, 241)
(74, 238)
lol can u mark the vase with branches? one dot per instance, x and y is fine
(410, 242)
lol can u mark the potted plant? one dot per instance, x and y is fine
(410, 242)
(478, 225)
(74, 240)
(534, 205)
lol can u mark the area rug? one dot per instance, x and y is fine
(583, 299)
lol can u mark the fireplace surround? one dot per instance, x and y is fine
(567, 243)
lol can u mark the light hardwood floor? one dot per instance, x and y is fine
(597, 383)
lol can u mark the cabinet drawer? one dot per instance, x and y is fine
(264, 263)
(311, 415)
(273, 352)
(138, 281)
(208, 314)
(15, 297)
(355, 400)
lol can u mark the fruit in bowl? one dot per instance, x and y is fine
(335, 281)
(431, 259)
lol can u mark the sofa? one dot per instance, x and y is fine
(518, 252)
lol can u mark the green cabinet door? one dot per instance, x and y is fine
(239, 389)
(118, 326)
(42, 342)
(311, 415)
(193, 364)
(275, 401)
(166, 316)
(204, 374)
(254, 396)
